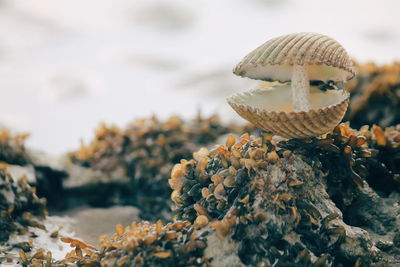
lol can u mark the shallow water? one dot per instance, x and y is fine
(91, 223)
(66, 65)
(83, 223)
(57, 248)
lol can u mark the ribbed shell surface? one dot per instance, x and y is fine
(298, 48)
(302, 124)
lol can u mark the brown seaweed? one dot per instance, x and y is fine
(12, 148)
(375, 95)
(20, 207)
(142, 156)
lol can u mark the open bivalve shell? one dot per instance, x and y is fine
(267, 108)
(295, 109)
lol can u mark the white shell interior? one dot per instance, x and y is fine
(279, 98)
(284, 73)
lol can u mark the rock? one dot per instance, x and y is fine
(375, 95)
(307, 205)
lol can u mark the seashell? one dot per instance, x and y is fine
(326, 59)
(296, 110)
(267, 109)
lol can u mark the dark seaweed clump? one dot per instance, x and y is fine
(296, 203)
(12, 148)
(140, 244)
(375, 95)
(19, 205)
(156, 244)
(48, 182)
(141, 157)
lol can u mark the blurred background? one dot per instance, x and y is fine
(66, 65)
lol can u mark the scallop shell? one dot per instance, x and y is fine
(273, 59)
(301, 124)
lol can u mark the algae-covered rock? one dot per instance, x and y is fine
(141, 244)
(24, 224)
(132, 166)
(267, 202)
(146, 244)
(252, 201)
(41, 171)
(298, 202)
(12, 148)
(18, 203)
(375, 95)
